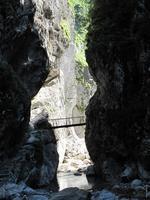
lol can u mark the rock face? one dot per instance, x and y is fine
(13, 192)
(118, 115)
(58, 94)
(21, 44)
(104, 195)
(71, 193)
(20, 191)
(36, 160)
(24, 66)
(14, 109)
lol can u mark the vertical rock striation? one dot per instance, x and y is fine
(118, 115)
(24, 66)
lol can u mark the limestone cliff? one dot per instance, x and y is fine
(118, 116)
(55, 24)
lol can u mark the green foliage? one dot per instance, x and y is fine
(81, 67)
(81, 107)
(80, 59)
(80, 8)
(66, 29)
(71, 4)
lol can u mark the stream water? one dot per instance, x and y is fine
(68, 179)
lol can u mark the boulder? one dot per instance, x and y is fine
(136, 183)
(36, 161)
(19, 191)
(71, 194)
(104, 195)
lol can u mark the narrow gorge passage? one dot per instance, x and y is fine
(84, 62)
(67, 90)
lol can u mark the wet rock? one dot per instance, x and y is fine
(128, 173)
(13, 189)
(17, 198)
(78, 174)
(35, 163)
(116, 187)
(148, 195)
(71, 194)
(143, 173)
(19, 191)
(82, 170)
(136, 183)
(90, 171)
(104, 195)
(38, 197)
(41, 161)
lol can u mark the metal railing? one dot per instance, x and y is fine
(68, 122)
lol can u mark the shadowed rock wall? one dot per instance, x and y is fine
(27, 154)
(23, 66)
(118, 115)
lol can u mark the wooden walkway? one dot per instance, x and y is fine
(68, 122)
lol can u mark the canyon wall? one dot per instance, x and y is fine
(35, 37)
(24, 67)
(55, 24)
(118, 115)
